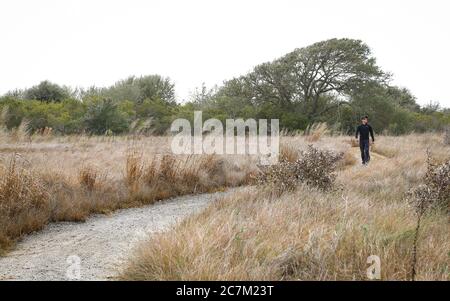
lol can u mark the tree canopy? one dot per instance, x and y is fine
(308, 77)
(48, 92)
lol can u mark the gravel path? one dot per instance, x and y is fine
(99, 245)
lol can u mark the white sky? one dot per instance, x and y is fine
(97, 42)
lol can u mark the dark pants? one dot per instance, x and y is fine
(365, 154)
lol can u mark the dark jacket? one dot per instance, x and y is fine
(364, 131)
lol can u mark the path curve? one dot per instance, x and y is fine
(101, 243)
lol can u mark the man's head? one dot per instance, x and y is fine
(364, 120)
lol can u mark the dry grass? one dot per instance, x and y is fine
(288, 152)
(251, 234)
(432, 194)
(88, 178)
(166, 176)
(353, 142)
(309, 234)
(387, 150)
(316, 131)
(22, 132)
(447, 135)
(348, 160)
(24, 202)
(70, 178)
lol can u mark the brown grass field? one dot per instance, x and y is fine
(252, 233)
(67, 179)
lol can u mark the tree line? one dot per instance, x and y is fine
(334, 81)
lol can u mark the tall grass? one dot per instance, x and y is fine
(308, 233)
(24, 202)
(168, 176)
(315, 131)
(447, 135)
(22, 132)
(303, 235)
(34, 193)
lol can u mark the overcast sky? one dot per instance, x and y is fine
(97, 42)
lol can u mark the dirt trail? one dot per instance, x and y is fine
(101, 243)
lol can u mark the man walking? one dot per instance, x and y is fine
(363, 130)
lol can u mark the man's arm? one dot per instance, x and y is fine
(371, 133)
(357, 132)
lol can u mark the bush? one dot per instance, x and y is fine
(438, 180)
(103, 115)
(315, 167)
(435, 189)
(280, 177)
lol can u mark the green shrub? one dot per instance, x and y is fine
(104, 115)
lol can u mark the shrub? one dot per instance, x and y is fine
(315, 167)
(104, 115)
(437, 179)
(280, 177)
(435, 189)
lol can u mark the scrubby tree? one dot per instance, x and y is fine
(137, 89)
(403, 97)
(103, 115)
(47, 92)
(156, 87)
(161, 114)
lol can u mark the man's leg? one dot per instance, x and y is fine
(361, 147)
(366, 151)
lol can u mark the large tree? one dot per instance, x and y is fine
(313, 78)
